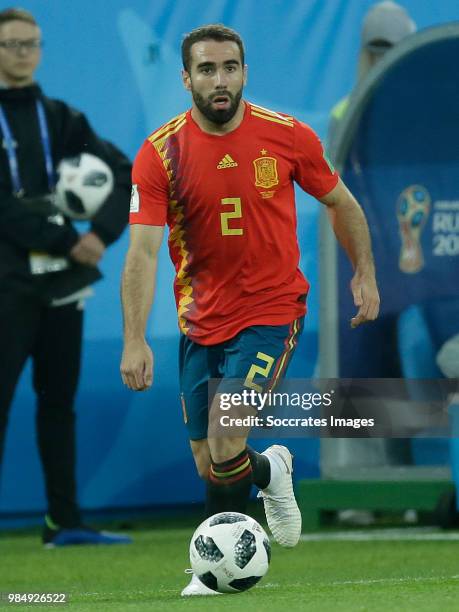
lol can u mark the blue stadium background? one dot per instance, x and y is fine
(119, 62)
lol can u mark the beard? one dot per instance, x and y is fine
(218, 116)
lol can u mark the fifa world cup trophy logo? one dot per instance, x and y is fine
(413, 206)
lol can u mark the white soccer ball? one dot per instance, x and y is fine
(84, 183)
(230, 552)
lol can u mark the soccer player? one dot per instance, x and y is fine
(222, 176)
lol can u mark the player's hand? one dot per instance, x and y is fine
(137, 366)
(88, 250)
(366, 298)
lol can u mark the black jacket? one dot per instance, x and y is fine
(23, 229)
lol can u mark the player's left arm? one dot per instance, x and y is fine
(351, 229)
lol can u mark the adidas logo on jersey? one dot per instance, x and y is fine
(226, 162)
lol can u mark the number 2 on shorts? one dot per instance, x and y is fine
(256, 369)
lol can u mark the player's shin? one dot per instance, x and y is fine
(229, 484)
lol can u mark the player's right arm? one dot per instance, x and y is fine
(148, 213)
(137, 290)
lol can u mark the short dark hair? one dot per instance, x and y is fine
(16, 14)
(213, 31)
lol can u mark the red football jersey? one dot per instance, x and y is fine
(230, 206)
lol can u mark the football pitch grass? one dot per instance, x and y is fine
(406, 569)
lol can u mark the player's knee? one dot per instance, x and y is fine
(201, 458)
(224, 449)
(203, 470)
(203, 466)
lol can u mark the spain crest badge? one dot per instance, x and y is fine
(266, 172)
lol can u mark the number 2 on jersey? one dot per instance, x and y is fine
(225, 217)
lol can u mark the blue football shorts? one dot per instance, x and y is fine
(256, 353)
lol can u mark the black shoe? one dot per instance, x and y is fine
(446, 513)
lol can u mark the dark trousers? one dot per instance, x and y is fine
(52, 337)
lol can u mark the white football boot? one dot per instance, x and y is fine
(282, 512)
(196, 587)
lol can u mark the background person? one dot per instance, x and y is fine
(385, 25)
(46, 267)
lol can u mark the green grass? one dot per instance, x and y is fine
(323, 576)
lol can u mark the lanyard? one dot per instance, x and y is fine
(11, 149)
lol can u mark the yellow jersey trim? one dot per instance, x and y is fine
(267, 111)
(173, 129)
(157, 133)
(271, 118)
(177, 235)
